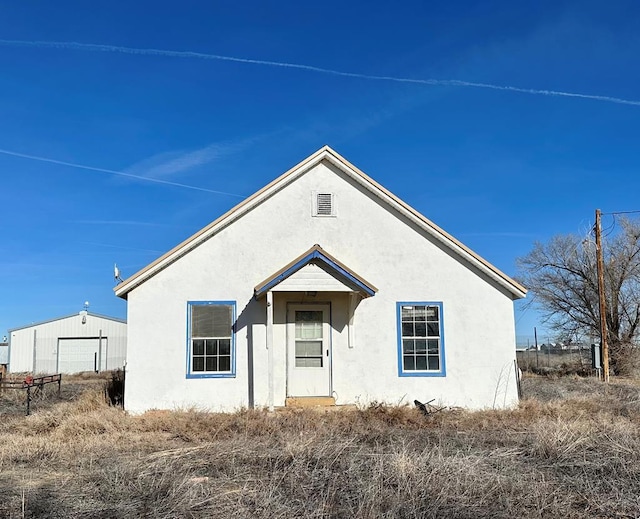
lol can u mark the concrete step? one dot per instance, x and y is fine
(310, 401)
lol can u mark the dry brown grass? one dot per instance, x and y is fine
(572, 449)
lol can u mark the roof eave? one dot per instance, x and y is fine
(316, 252)
(219, 223)
(512, 286)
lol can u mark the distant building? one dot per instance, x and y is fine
(77, 342)
(4, 353)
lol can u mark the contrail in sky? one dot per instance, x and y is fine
(200, 55)
(113, 172)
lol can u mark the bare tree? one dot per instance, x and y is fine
(562, 276)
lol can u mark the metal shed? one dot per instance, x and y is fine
(70, 344)
(4, 353)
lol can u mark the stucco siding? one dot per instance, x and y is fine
(372, 240)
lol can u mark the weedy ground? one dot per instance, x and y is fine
(571, 449)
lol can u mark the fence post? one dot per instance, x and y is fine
(28, 400)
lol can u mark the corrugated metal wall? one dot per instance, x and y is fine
(49, 347)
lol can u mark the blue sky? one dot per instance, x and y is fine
(111, 152)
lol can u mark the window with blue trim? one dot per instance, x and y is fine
(211, 339)
(421, 345)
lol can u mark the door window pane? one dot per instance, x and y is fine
(308, 324)
(308, 362)
(308, 348)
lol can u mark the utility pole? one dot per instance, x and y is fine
(601, 298)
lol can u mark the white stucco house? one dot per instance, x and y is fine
(83, 341)
(321, 287)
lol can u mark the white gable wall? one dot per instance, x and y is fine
(368, 238)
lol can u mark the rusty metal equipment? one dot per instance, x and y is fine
(31, 383)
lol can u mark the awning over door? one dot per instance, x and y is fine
(316, 270)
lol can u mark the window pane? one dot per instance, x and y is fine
(198, 347)
(407, 329)
(407, 313)
(434, 362)
(308, 348)
(434, 346)
(308, 324)
(409, 362)
(433, 313)
(419, 313)
(211, 320)
(421, 362)
(198, 363)
(308, 362)
(225, 363)
(421, 346)
(421, 330)
(433, 329)
(211, 347)
(225, 346)
(212, 363)
(308, 330)
(408, 346)
(313, 316)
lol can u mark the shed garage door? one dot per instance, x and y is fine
(76, 355)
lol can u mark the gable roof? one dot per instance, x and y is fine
(40, 323)
(323, 154)
(318, 255)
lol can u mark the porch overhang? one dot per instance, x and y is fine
(316, 255)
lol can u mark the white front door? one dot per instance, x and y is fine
(308, 350)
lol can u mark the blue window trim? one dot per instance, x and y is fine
(232, 374)
(443, 366)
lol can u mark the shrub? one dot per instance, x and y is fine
(114, 388)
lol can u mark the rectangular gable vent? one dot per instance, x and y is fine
(324, 204)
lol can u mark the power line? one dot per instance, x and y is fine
(622, 212)
(528, 306)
